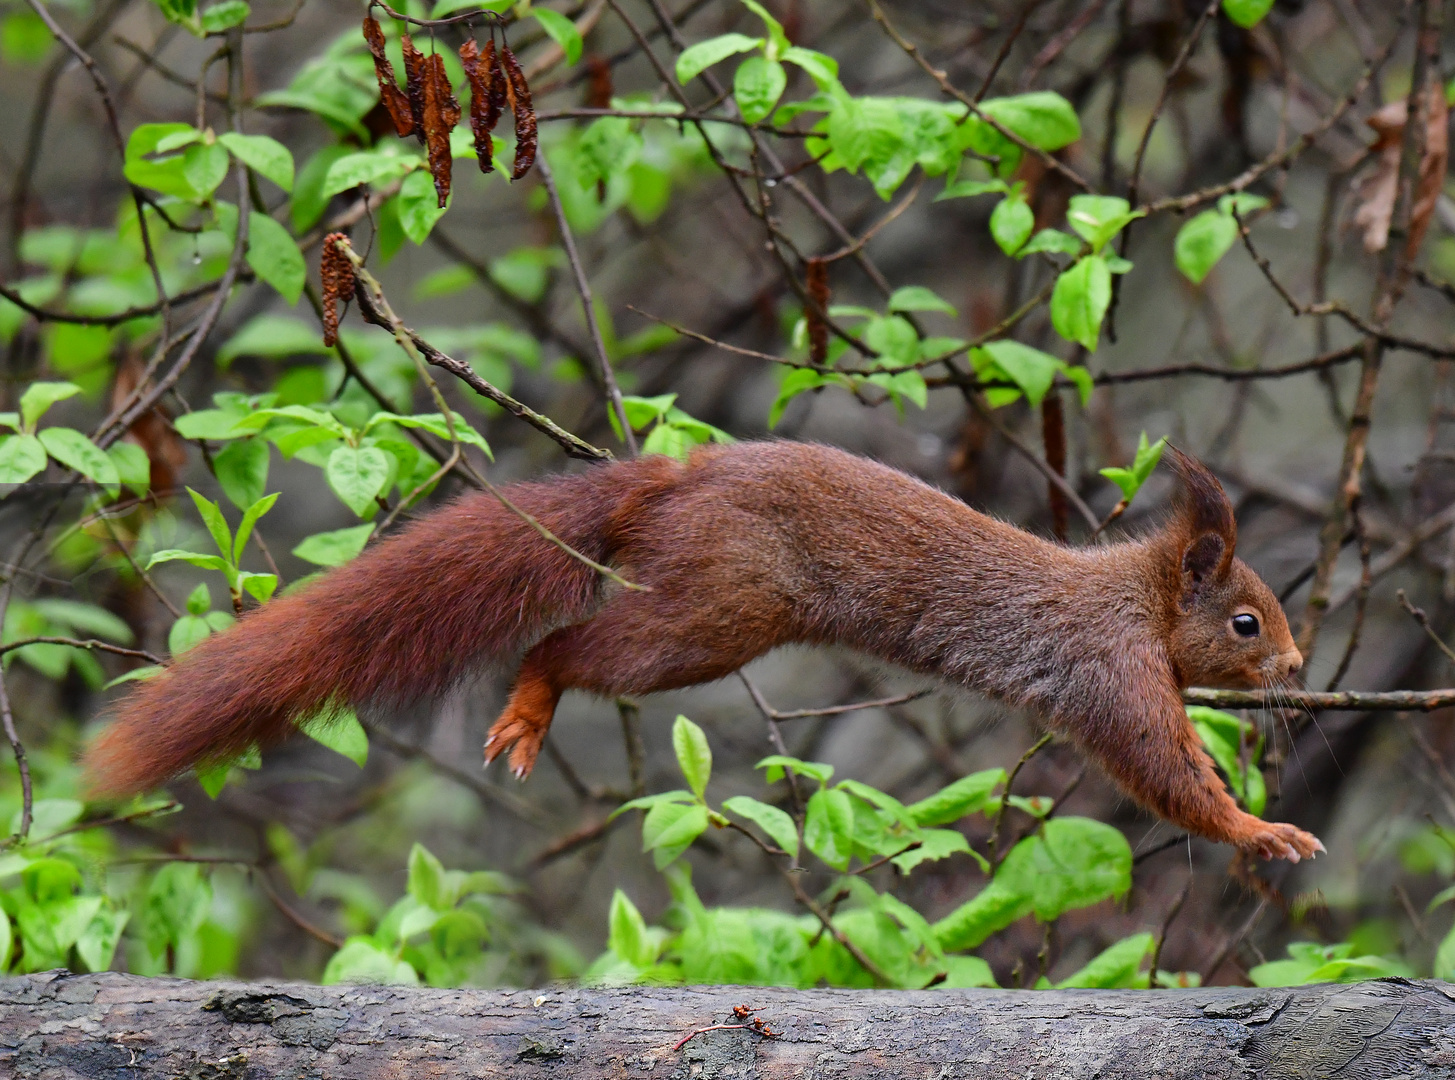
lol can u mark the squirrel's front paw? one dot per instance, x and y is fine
(1274, 840)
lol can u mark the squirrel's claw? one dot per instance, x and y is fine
(1279, 841)
(518, 735)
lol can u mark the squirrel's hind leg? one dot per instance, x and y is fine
(527, 717)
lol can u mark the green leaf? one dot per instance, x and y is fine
(777, 763)
(365, 167)
(795, 382)
(274, 257)
(828, 828)
(964, 189)
(1247, 13)
(1044, 119)
(626, 933)
(561, 30)
(211, 515)
(182, 12)
(936, 844)
(1201, 242)
(245, 527)
(1131, 480)
(419, 207)
(199, 600)
(778, 825)
(334, 548)
(40, 396)
(698, 58)
(1080, 299)
(1097, 218)
(1074, 862)
(918, 298)
(1242, 202)
(259, 586)
(1082, 379)
(24, 39)
(265, 156)
(219, 17)
(669, 829)
(1444, 963)
(97, 944)
(822, 68)
(1030, 369)
(309, 200)
(357, 476)
(363, 961)
(206, 562)
(88, 618)
(242, 471)
(1070, 863)
(132, 466)
(694, 756)
(968, 795)
(646, 802)
(757, 86)
(6, 941)
(777, 36)
(1053, 241)
(1012, 221)
(1116, 967)
(21, 457)
(1226, 736)
(427, 878)
(75, 451)
(189, 630)
(204, 167)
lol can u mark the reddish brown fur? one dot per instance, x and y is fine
(745, 548)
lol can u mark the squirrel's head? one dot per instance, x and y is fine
(1225, 628)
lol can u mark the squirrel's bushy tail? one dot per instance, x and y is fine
(405, 620)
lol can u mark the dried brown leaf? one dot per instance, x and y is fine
(1377, 190)
(499, 86)
(599, 89)
(414, 83)
(337, 274)
(818, 291)
(518, 93)
(480, 76)
(441, 114)
(394, 99)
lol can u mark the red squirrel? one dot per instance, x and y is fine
(743, 548)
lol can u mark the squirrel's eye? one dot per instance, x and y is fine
(1245, 625)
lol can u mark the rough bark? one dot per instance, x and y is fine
(65, 1027)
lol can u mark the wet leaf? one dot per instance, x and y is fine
(441, 114)
(481, 76)
(518, 94)
(414, 83)
(395, 100)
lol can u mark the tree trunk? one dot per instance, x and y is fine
(65, 1027)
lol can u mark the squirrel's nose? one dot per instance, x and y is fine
(1294, 659)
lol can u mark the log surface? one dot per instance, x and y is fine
(59, 1026)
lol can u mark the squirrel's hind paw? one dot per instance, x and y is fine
(521, 737)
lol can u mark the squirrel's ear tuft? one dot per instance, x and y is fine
(1204, 520)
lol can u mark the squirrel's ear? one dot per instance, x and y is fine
(1204, 521)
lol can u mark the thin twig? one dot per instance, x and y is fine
(588, 307)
